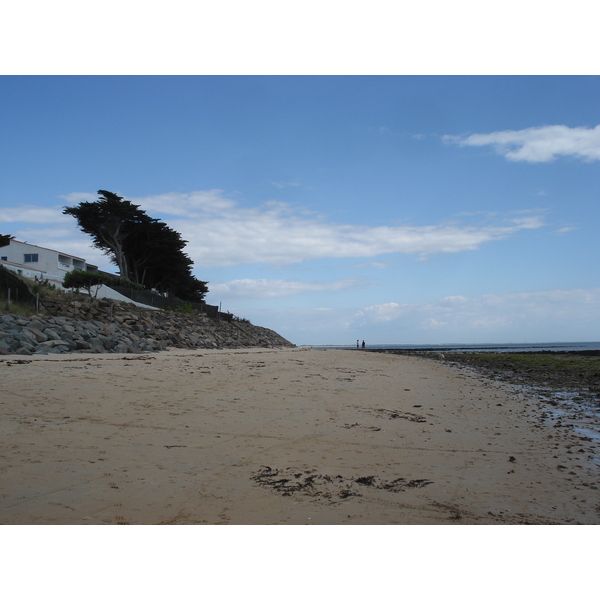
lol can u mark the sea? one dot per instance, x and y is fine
(552, 347)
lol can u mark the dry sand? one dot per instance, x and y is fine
(290, 436)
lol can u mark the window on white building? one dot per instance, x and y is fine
(31, 258)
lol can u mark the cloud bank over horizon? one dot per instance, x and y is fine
(557, 315)
(490, 314)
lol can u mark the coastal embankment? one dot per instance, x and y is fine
(100, 326)
(281, 436)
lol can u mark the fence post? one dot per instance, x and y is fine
(8, 301)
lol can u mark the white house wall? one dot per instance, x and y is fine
(21, 270)
(50, 264)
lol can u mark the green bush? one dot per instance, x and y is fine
(240, 320)
(78, 279)
(185, 308)
(42, 285)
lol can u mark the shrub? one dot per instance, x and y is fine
(240, 320)
(88, 279)
(41, 286)
(83, 279)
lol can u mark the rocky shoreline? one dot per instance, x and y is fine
(101, 326)
(574, 372)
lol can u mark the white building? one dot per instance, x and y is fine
(41, 263)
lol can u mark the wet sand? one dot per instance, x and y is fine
(292, 436)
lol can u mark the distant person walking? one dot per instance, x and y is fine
(363, 345)
(357, 344)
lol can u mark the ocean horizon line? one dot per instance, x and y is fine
(490, 347)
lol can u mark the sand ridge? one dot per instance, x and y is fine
(288, 436)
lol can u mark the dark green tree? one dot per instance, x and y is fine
(84, 279)
(5, 239)
(110, 221)
(145, 250)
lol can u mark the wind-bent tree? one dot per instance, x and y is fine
(110, 221)
(145, 250)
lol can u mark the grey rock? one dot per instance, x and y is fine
(52, 333)
(94, 327)
(56, 344)
(57, 350)
(109, 341)
(27, 346)
(28, 336)
(36, 324)
(36, 333)
(96, 344)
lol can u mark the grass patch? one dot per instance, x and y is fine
(17, 309)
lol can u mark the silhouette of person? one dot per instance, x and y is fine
(363, 345)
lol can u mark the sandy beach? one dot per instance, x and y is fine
(292, 436)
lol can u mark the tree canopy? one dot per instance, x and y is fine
(5, 239)
(145, 250)
(85, 279)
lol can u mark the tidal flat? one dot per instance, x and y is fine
(575, 372)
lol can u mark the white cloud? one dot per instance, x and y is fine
(538, 144)
(33, 214)
(277, 288)
(284, 184)
(431, 323)
(390, 311)
(77, 197)
(454, 299)
(374, 264)
(222, 232)
(564, 230)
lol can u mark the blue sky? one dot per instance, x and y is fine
(395, 209)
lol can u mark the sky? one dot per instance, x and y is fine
(394, 209)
